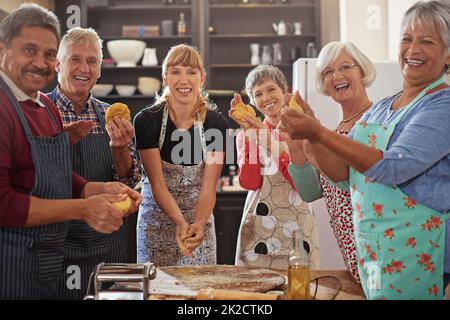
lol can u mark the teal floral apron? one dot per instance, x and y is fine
(400, 243)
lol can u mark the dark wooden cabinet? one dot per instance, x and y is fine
(222, 29)
(232, 26)
(228, 215)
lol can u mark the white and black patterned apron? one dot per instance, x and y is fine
(85, 247)
(155, 232)
(31, 258)
(271, 214)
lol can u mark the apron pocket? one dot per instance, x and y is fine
(50, 253)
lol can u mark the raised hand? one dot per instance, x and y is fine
(120, 132)
(77, 130)
(300, 125)
(242, 123)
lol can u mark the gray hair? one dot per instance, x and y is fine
(432, 14)
(330, 54)
(262, 73)
(80, 36)
(28, 15)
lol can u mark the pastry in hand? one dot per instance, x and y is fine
(117, 110)
(294, 104)
(123, 205)
(241, 110)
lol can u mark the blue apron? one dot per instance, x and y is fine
(31, 258)
(85, 247)
(400, 243)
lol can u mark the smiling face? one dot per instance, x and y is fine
(268, 97)
(345, 84)
(79, 70)
(184, 83)
(422, 55)
(30, 60)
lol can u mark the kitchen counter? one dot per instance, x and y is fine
(328, 287)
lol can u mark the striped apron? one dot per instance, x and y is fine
(155, 232)
(85, 247)
(31, 258)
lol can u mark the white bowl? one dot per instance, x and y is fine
(102, 90)
(125, 90)
(149, 86)
(147, 91)
(126, 53)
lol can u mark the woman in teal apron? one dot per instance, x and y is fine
(398, 166)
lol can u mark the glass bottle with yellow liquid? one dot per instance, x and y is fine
(298, 270)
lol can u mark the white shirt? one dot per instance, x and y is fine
(18, 93)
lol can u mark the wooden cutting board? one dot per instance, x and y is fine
(185, 282)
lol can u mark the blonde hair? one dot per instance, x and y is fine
(187, 56)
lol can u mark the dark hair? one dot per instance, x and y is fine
(28, 15)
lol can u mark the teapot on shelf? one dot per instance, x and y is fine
(280, 28)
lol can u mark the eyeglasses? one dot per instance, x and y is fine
(343, 69)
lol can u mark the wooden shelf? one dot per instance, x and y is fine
(244, 65)
(107, 38)
(261, 6)
(225, 92)
(130, 68)
(129, 7)
(259, 35)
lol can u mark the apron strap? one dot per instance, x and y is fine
(99, 115)
(197, 124)
(431, 86)
(19, 111)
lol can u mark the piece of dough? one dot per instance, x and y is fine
(294, 105)
(123, 205)
(117, 109)
(241, 110)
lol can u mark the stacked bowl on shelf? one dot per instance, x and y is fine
(149, 86)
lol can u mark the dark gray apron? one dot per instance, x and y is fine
(85, 247)
(31, 258)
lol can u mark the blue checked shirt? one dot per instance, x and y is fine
(67, 110)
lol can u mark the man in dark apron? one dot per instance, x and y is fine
(99, 152)
(36, 178)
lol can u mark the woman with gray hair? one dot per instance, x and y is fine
(343, 72)
(397, 161)
(273, 209)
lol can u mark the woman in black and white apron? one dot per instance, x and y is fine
(273, 208)
(175, 224)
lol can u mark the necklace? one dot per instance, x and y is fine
(346, 131)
